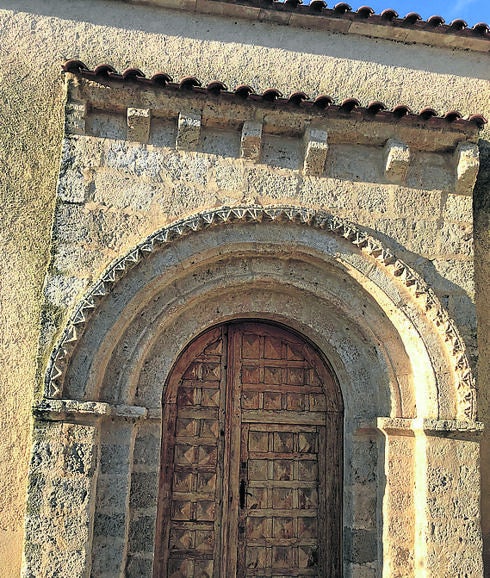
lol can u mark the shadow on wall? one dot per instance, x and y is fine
(452, 296)
(254, 34)
(481, 208)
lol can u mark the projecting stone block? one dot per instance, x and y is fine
(397, 159)
(139, 124)
(188, 131)
(251, 142)
(316, 151)
(467, 162)
(76, 114)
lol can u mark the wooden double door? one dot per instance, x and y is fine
(251, 459)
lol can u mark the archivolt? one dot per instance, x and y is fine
(386, 262)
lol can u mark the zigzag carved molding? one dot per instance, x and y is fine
(365, 243)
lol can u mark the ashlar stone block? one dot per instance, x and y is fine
(188, 131)
(397, 160)
(467, 163)
(316, 149)
(139, 120)
(251, 141)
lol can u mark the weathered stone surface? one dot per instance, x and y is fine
(316, 150)
(251, 140)
(467, 162)
(139, 120)
(141, 534)
(397, 159)
(61, 497)
(144, 487)
(76, 113)
(189, 131)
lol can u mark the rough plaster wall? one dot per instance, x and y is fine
(29, 147)
(34, 41)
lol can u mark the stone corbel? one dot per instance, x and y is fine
(188, 131)
(466, 160)
(316, 149)
(396, 160)
(251, 141)
(76, 116)
(138, 121)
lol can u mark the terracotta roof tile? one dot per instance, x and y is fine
(272, 96)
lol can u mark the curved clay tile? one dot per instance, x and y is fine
(349, 104)
(458, 24)
(317, 5)
(389, 14)
(481, 28)
(427, 113)
(478, 119)
(132, 74)
(342, 8)
(189, 82)
(244, 90)
(297, 98)
(436, 21)
(271, 94)
(375, 106)
(215, 87)
(401, 110)
(161, 78)
(365, 11)
(293, 3)
(104, 70)
(323, 101)
(412, 18)
(74, 66)
(453, 115)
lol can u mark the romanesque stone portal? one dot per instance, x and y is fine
(198, 233)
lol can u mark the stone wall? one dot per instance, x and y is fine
(36, 40)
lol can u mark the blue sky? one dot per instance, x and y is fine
(472, 11)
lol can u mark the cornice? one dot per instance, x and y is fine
(411, 29)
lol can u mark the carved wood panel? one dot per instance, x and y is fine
(192, 457)
(245, 482)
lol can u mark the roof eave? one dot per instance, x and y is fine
(348, 23)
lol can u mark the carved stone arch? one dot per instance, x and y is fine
(399, 360)
(398, 290)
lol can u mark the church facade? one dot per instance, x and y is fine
(245, 326)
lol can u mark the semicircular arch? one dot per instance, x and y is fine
(186, 267)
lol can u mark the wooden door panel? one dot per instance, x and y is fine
(282, 414)
(192, 465)
(244, 477)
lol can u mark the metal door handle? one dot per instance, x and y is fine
(243, 493)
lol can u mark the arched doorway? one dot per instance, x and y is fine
(406, 389)
(251, 462)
